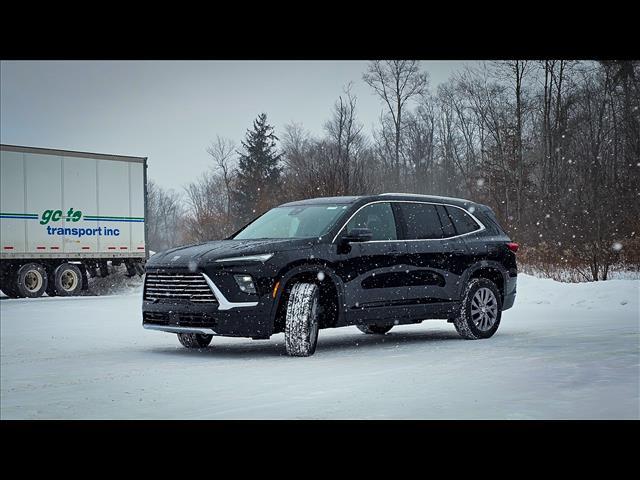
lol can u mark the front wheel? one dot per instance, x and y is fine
(374, 329)
(301, 327)
(194, 340)
(481, 310)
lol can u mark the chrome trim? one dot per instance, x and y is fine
(248, 258)
(223, 303)
(433, 198)
(167, 328)
(191, 286)
(482, 227)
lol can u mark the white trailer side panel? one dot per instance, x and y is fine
(113, 207)
(81, 173)
(136, 196)
(58, 204)
(43, 192)
(12, 221)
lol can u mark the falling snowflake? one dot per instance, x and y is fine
(617, 246)
(321, 276)
(480, 182)
(193, 266)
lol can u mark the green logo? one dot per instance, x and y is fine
(56, 216)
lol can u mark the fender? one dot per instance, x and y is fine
(464, 278)
(309, 266)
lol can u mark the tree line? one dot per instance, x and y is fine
(553, 146)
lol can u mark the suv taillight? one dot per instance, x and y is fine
(513, 246)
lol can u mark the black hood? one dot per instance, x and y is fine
(204, 253)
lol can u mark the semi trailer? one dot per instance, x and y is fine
(66, 216)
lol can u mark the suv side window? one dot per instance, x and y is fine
(377, 217)
(421, 221)
(447, 225)
(462, 221)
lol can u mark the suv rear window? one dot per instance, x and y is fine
(421, 221)
(462, 221)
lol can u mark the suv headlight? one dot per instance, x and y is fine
(245, 283)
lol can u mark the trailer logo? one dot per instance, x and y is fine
(56, 216)
(75, 216)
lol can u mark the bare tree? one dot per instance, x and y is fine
(222, 152)
(336, 164)
(165, 214)
(345, 135)
(207, 217)
(514, 73)
(396, 82)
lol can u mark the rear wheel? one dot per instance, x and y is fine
(374, 329)
(481, 310)
(301, 328)
(194, 340)
(31, 280)
(66, 280)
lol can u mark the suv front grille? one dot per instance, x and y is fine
(178, 286)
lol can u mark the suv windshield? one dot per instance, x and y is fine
(301, 221)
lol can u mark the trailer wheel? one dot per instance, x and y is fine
(67, 280)
(31, 280)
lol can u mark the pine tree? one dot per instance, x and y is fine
(258, 176)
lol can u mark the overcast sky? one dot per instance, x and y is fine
(170, 111)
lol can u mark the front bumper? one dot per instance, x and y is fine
(185, 317)
(223, 317)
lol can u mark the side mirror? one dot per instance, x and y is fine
(357, 235)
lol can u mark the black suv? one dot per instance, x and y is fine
(370, 261)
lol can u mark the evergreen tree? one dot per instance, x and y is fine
(258, 175)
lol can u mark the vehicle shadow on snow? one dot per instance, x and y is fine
(344, 343)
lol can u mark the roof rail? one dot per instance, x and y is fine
(427, 196)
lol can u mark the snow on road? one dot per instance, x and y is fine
(564, 351)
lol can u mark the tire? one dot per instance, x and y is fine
(480, 311)
(66, 280)
(301, 324)
(31, 280)
(374, 329)
(194, 340)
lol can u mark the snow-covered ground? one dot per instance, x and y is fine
(564, 351)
